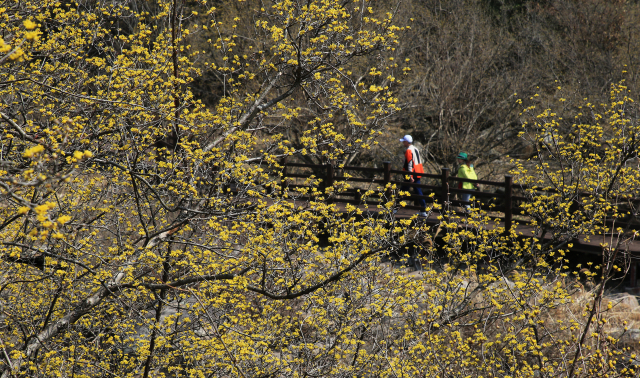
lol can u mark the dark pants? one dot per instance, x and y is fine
(417, 191)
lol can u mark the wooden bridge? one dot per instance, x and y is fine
(439, 187)
(501, 199)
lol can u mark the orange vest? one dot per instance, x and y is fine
(412, 160)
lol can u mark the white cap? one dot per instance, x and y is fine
(407, 138)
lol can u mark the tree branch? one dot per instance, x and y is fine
(335, 277)
(53, 329)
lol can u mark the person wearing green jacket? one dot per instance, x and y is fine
(466, 171)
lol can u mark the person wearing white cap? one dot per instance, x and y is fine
(413, 163)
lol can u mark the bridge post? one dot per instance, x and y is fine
(445, 187)
(328, 179)
(283, 179)
(508, 203)
(386, 167)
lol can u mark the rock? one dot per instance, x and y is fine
(631, 336)
(415, 275)
(622, 302)
(503, 283)
(632, 290)
(524, 151)
(624, 316)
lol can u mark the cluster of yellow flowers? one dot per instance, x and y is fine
(145, 233)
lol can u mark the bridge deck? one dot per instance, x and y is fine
(582, 245)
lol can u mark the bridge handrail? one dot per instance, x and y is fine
(386, 172)
(382, 176)
(483, 182)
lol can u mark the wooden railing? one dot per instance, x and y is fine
(501, 201)
(440, 187)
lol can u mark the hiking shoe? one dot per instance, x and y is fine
(423, 214)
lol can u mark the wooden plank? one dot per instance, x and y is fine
(476, 193)
(415, 197)
(483, 182)
(414, 185)
(304, 165)
(362, 169)
(299, 175)
(359, 179)
(406, 173)
(508, 214)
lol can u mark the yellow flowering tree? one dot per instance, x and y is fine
(146, 234)
(116, 182)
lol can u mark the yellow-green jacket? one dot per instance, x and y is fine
(467, 172)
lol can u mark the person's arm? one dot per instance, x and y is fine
(409, 156)
(475, 178)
